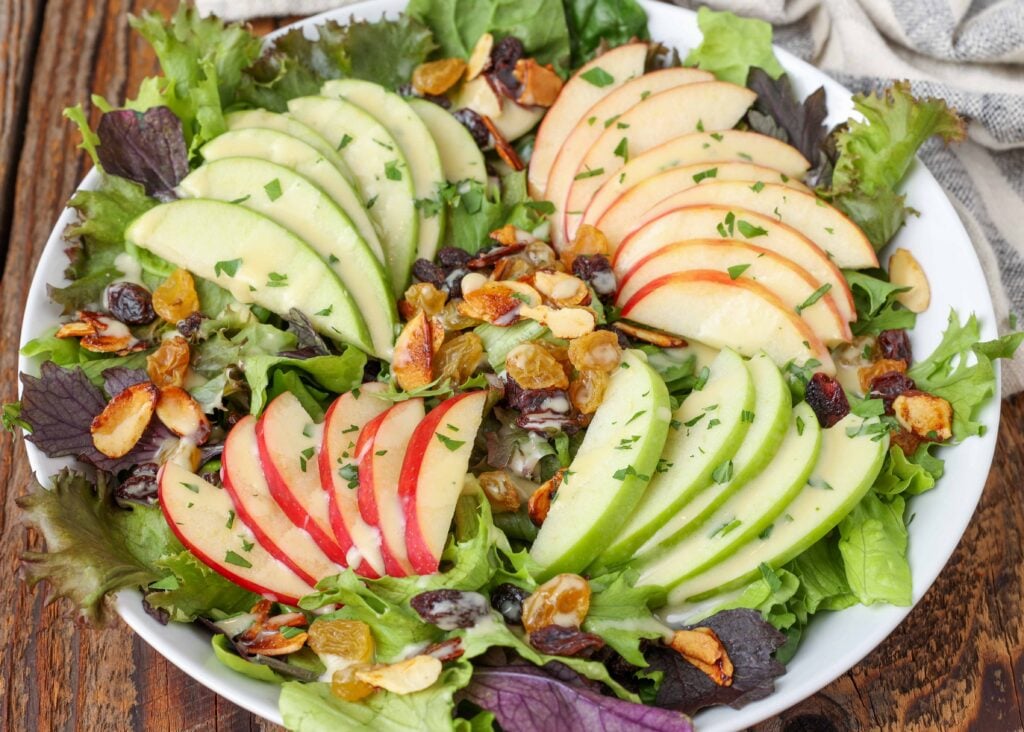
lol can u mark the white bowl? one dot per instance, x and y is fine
(834, 642)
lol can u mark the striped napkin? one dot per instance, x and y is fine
(970, 53)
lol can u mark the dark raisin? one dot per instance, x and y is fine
(490, 257)
(532, 400)
(371, 370)
(140, 486)
(475, 124)
(894, 344)
(453, 282)
(452, 257)
(508, 600)
(446, 650)
(558, 640)
(827, 399)
(190, 325)
(130, 303)
(888, 386)
(426, 271)
(624, 340)
(450, 609)
(549, 423)
(596, 271)
(504, 56)
(409, 91)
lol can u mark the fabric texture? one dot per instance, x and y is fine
(969, 52)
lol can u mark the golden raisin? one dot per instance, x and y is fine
(458, 358)
(533, 367)
(587, 390)
(452, 318)
(424, 296)
(563, 600)
(501, 492)
(175, 299)
(597, 351)
(350, 639)
(437, 77)
(589, 240)
(168, 364)
(347, 686)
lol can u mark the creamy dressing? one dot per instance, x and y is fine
(353, 557)
(130, 268)
(558, 404)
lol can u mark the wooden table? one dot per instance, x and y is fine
(956, 663)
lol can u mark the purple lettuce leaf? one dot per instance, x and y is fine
(750, 642)
(525, 698)
(119, 378)
(145, 147)
(59, 407)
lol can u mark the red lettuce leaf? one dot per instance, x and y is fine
(145, 147)
(525, 698)
(750, 642)
(119, 378)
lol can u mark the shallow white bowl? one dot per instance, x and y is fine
(834, 642)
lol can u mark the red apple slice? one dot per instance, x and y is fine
(708, 222)
(590, 84)
(339, 474)
(380, 451)
(721, 312)
(825, 225)
(592, 123)
(203, 518)
(288, 439)
(709, 105)
(699, 148)
(242, 472)
(620, 218)
(786, 279)
(432, 475)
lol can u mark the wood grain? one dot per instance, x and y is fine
(956, 663)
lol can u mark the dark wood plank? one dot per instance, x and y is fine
(956, 663)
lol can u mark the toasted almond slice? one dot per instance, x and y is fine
(563, 322)
(182, 415)
(276, 644)
(473, 282)
(927, 416)
(77, 329)
(480, 59)
(110, 344)
(540, 500)
(412, 363)
(120, 425)
(905, 271)
(505, 150)
(541, 84)
(654, 337)
(562, 289)
(702, 648)
(405, 677)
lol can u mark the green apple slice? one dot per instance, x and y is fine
(848, 464)
(769, 420)
(381, 171)
(417, 146)
(253, 258)
(747, 512)
(707, 430)
(305, 159)
(461, 159)
(610, 471)
(308, 212)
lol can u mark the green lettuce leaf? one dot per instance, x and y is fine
(732, 46)
(823, 583)
(875, 154)
(224, 653)
(900, 475)
(476, 210)
(873, 544)
(337, 374)
(190, 589)
(875, 301)
(617, 614)
(458, 24)
(312, 707)
(595, 24)
(93, 547)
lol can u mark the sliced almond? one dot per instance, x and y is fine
(505, 150)
(480, 58)
(120, 425)
(182, 415)
(268, 643)
(654, 337)
(540, 500)
(563, 322)
(412, 363)
(905, 271)
(867, 374)
(541, 84)
(927, 416)
(77, 329)
(702, 648)
(562, 289)
(473, 282)
(405, 677)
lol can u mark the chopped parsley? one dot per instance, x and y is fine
(814, 297)
(702, 379)
(589, 174)
(757, 187)
(227, 266)
(448, 442)
(304, 457)
(723, 473)
(391, 171)
(191, 486)
(749, 230)
(345, 140)
(276, 279)
(598, 77)
(235, 559)
(273, 189)
(622, 150)
(704, 174)
(737, 269)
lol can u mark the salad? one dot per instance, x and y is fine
(484, 367)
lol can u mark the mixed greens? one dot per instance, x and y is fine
(143, 326)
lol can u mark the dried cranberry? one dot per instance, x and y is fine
(450, 609)
(827, 399)
(475, 124)
(452, 257)
(535, 400)
(596, 271)
(508, 599)
(130, 303)
(888, 386)
(426, 271)
(504, 56)
(894, 344)
(190, 325)
(140, 486)
(446, 650)
(558, 640)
